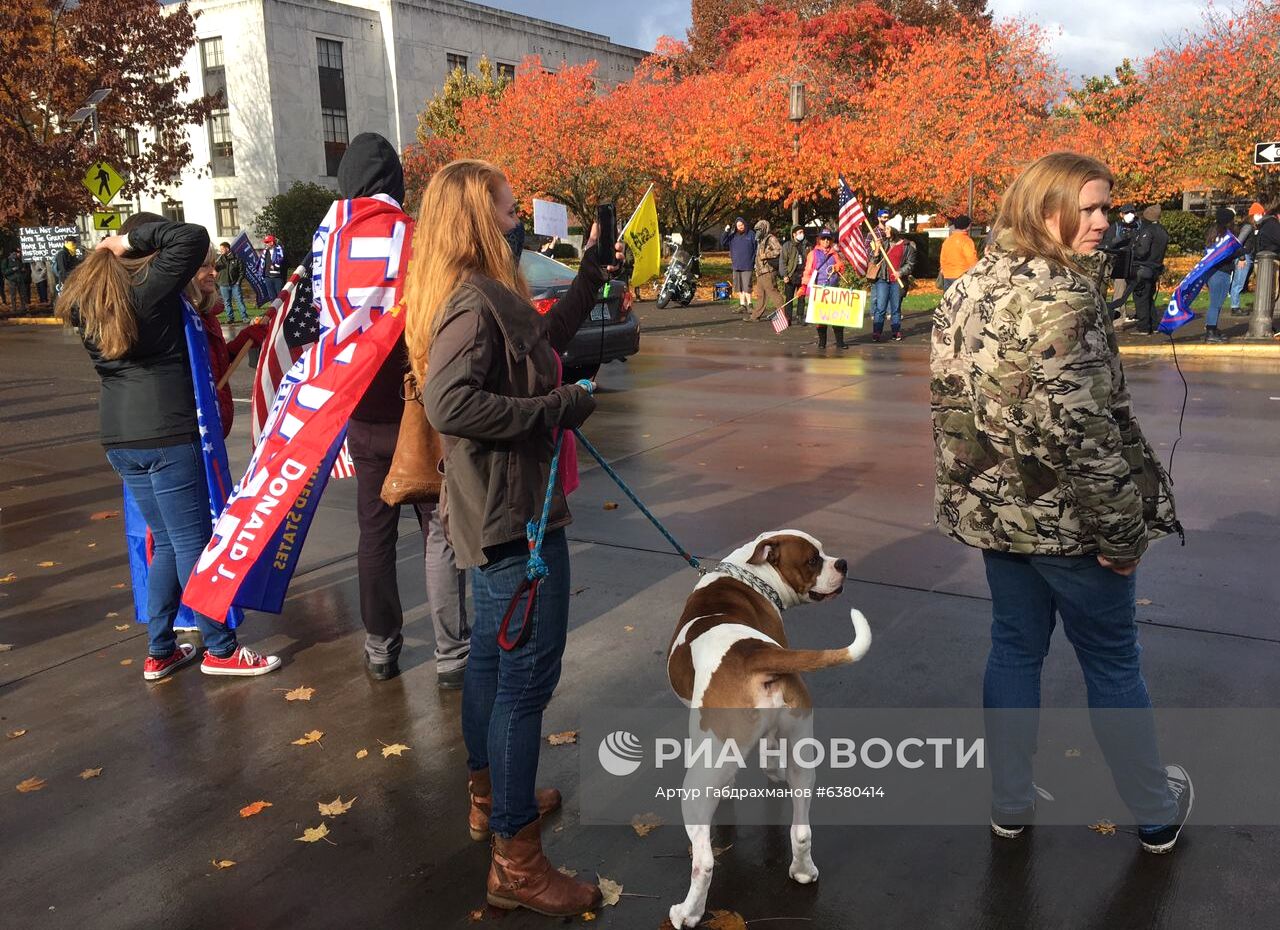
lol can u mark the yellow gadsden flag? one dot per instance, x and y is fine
(641, 236)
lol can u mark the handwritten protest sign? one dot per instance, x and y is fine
(837, 306)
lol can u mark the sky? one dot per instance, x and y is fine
(1087, 36)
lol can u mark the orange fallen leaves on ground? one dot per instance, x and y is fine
(122, 628)
(563, 739)
(395, 749)
(724, 920)
(14, 734)
(610, 505)
(361, 753)
(1103, 827)
(315, 834)
(588, 916)
(297, 694)
(222, 863)
(335, 808)
(257, 807)
(30, 784)
(112, 614)
(91, 773)
(47, 564)
(9, 578)
(565, 870)
(126, 661)
(644, 824)
(119, 587)
(610, 891)
(476, 916)
(104, 515)
(311, 736)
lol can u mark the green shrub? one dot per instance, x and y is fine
(564, 250)
(292, 217)
(1186, 230)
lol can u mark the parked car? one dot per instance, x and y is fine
(610, 334)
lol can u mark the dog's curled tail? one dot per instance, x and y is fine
(861, 635)
(774, 660)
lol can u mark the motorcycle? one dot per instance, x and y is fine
(681, 280)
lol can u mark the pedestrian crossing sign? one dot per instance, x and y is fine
(106, 222)
(103, 181)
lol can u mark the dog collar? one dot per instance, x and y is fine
(751, 581)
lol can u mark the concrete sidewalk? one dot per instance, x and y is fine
(722, 438)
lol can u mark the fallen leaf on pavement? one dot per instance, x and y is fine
(476, 916)
(628, 629)
(315, 834)
(610, 505)
(610, 890)
(257, 807)
(119, 587)
(565, 870)
(311, 736)
(14, 734)
(588, 916)
(563, 739)
(724, 920)
(222, 863)
(1143, 602)
(91, 773)
(1103, 827)
(91, 545)
(122, 628)
(5, 647)
(1073, 753)
(47, 564)
(30, 784)
(126, 661)
(298, 694)
(361, 753)
(111, 615)
(395, 749)
(9, 578)
(335, 808)
(644, 824)
(104, 515)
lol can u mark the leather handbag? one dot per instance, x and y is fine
(416, 475)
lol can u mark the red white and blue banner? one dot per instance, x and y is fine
(217, 472)
(251, 261)
(1179, 313)
(359, 256)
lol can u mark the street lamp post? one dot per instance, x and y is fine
(797, 115)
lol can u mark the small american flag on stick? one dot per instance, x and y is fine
(780, 322)
(852, 218)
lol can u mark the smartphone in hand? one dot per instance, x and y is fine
(607, 220)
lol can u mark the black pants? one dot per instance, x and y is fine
(372, 446)
(1144, 294)
(795, 311)
(822, 334)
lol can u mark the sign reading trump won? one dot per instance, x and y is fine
(836, 306)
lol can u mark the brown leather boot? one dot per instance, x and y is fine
(481, 791)
(521, 876)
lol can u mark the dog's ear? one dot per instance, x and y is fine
(767, 550)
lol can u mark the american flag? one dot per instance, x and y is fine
(780, 321)
(852, 243)
(295, 325)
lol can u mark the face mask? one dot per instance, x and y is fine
(799, 238)
(1128, 217)
(515, 239)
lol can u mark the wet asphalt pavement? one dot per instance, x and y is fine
(723, 438)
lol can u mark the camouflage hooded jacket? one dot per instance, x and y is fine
(1036, 446)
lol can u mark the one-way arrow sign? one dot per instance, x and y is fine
(1266, 153)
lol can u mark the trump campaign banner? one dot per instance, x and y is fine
(359, 259)
(1179, 312)
(251, 262)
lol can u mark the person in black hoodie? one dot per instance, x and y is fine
(126, 297)
(371, 168)
(1149, 248)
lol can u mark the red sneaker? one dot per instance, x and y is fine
(154, 668)
(244, 661)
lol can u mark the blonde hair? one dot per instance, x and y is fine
(196, 297)
(1049, 186)
(457, 235)
(98, 297)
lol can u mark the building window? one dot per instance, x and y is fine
(335, 138)
(131, 143)
(228, 216)
(454, 62)
(506, 72)
(333, 103)
(222, 162)
(173, 211)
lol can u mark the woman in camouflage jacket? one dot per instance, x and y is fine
(1041, 464)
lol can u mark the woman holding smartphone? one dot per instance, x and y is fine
(491, 375)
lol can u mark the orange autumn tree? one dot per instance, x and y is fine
(968, 102)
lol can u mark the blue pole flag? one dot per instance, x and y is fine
(1179, 313)
(217, 471)
(243, 249)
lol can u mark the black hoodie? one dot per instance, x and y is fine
(371, 166)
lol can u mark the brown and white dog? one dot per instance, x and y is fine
(729, 652)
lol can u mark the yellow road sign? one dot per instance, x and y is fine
(106, 222)
(103, 181)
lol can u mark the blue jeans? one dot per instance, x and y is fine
(1239, 278)
(886, 299)
(1098, 614)
(504, 693)
(169, 486)
(1219, 284)
(230, 293)
(275, 284)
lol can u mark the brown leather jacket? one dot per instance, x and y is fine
(492, 393)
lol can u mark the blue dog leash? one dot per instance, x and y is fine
(536, 531)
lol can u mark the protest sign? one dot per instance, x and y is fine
(550, 218)
(39, 242)
(837, 306)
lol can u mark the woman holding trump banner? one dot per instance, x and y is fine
(127, 297)
(490, 367)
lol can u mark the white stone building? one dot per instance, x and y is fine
(302, 77)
